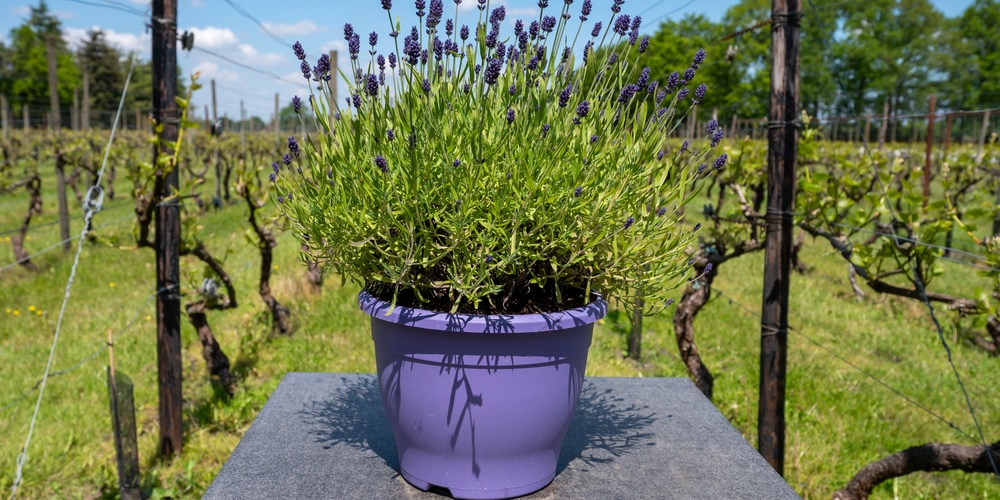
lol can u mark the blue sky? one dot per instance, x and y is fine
(221, 29)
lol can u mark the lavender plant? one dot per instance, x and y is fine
(475, 170)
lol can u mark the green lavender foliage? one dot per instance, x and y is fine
(487, 188)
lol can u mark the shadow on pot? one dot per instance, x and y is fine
(605, 426)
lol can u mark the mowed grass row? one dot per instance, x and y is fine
(838, 419)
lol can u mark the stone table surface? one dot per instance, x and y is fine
(325, 435)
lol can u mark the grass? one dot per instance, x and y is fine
(838, 418)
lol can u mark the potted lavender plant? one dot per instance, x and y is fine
(490, 185)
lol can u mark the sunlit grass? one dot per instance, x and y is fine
(838, 418)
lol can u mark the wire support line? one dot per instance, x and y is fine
(914, 241)
(678, 9)
(111, 5)
(864, 372)
(82, 361)
(243, 12)
(244, 66)
(56, 221)
(92, 206)
(930, 307)
(67, 240)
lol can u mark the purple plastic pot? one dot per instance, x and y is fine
(480, 405)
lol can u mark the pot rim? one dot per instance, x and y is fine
(486, 323)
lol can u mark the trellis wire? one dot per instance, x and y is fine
(833, 353)
(930, 307)
(90, 209)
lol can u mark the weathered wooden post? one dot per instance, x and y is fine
(781, 158)
(168, 230)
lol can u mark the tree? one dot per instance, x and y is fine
(979, 66)
(102, 62)
(29, 64)
(725, 80)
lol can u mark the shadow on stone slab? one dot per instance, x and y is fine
(605, 426)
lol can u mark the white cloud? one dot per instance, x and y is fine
(20, 10)
(210, 70)
(248, 52)
(197, 3)
(125, 42)
(300, 28)
(338, 45)
(213, 38)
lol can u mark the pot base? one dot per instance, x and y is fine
(479, 494)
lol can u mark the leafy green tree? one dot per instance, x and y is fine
(893, 50)
(979, 66)
(674, 44)
(28, 83)
(103, 63)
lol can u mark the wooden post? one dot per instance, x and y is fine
(277, 119)
(215, 153)
(27, 117)
(868, 129)
(168, 231)
(982, 135)
(74, 118)
(930, 149)
(635, 336)
(50, 45)
(55, 125)
(4, 110)
(85, 113)
(947, 131)
(733, 133)
(885, 125)
(781, 159)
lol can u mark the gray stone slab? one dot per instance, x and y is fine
(324, 435)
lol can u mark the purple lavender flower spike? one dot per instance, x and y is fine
(386, 4)
(585, 10)
(373, 38)
(688, 76)
(597, 29)
(293, 146)
(629, 222)
(621, 26)
(348, 31)
(699, 58)
(296, 103)
(644, 44)
(682, 94)
(582, 109)
(306, 70)
(510, 115)
(286, 159)
(721, 161)
(564, 96)
(670, 302)
(643, 78)
(699, 93)
(275, 167)
(300, 53)
(717, 137)
(382, 164)
(390, 134)
(273, 177)
(578, 191)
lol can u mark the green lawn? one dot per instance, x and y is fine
(838, 418)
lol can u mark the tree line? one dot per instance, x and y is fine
(24, 69)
